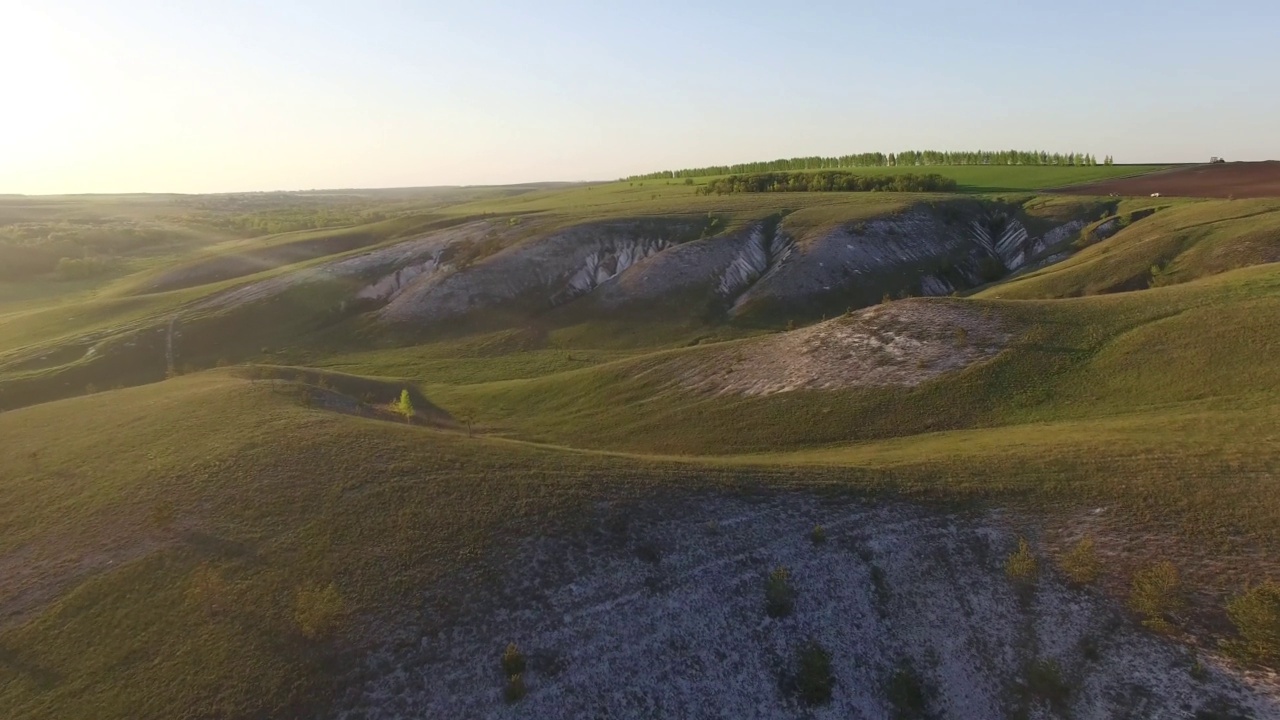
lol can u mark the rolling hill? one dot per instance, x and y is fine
(624, 399)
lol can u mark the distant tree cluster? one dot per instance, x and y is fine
(827, 182)
(908, 158)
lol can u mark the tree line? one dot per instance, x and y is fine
(908, 158)
(827, 181)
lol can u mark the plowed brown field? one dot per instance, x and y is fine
(1220, 180)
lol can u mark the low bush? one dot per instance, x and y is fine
(1021, 564)
(1045, 684)
(1156, 594)
(1256, 615)
(512, 660)
(814, 680)
(516, 689)
(778, 593)
(907, 695)
(818, 535)
(1081, 564)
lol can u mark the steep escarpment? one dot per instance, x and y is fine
(766, 269)
(922, 251)
(488, 274)
(537, 275)
(499, 274)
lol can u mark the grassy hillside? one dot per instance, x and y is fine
(223, 543)
(1178, 243)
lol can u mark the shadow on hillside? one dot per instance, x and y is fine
(211, 545)
(43, 678)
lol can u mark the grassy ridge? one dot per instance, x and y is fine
(1182, 241)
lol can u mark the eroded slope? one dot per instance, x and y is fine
(661, 612)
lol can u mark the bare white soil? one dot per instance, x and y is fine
(660, 612)
(899, 343)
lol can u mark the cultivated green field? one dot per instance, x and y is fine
(159, 543)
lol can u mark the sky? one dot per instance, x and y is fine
(242, 95)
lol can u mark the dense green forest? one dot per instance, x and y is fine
(909, 158)
(827, 182)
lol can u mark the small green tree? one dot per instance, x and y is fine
(404, 405)
(1256, 615)
(1021, 564)
(1157, 593)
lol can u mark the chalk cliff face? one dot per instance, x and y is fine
(516, 272)
(535, 276)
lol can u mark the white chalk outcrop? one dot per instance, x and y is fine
(513, 272)
(660, 612)
(897, 344)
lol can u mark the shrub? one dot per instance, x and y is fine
(404, 405)
(318, 611)
(1021, 564)
(778, 594)
(512, 660)
(515, 688)
(1044, 683)
(818, 535)
(1081, 564)
(1161, 276)
(1156, 594)
(907, 695)
(1256, 615)
(813, 674)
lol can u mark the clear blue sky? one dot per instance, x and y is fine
(135, 95)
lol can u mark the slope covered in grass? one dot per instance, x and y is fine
(1178, 243)
(156, 541)
(227, 544)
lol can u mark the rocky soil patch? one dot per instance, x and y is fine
(662, 610)
(899, 343)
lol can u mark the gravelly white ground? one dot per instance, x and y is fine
(900, 343)
(659, 612)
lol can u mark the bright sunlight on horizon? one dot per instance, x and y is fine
(186, 97)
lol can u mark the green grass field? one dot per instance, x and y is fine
(156, 541)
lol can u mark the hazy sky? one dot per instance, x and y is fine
(134, 95)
